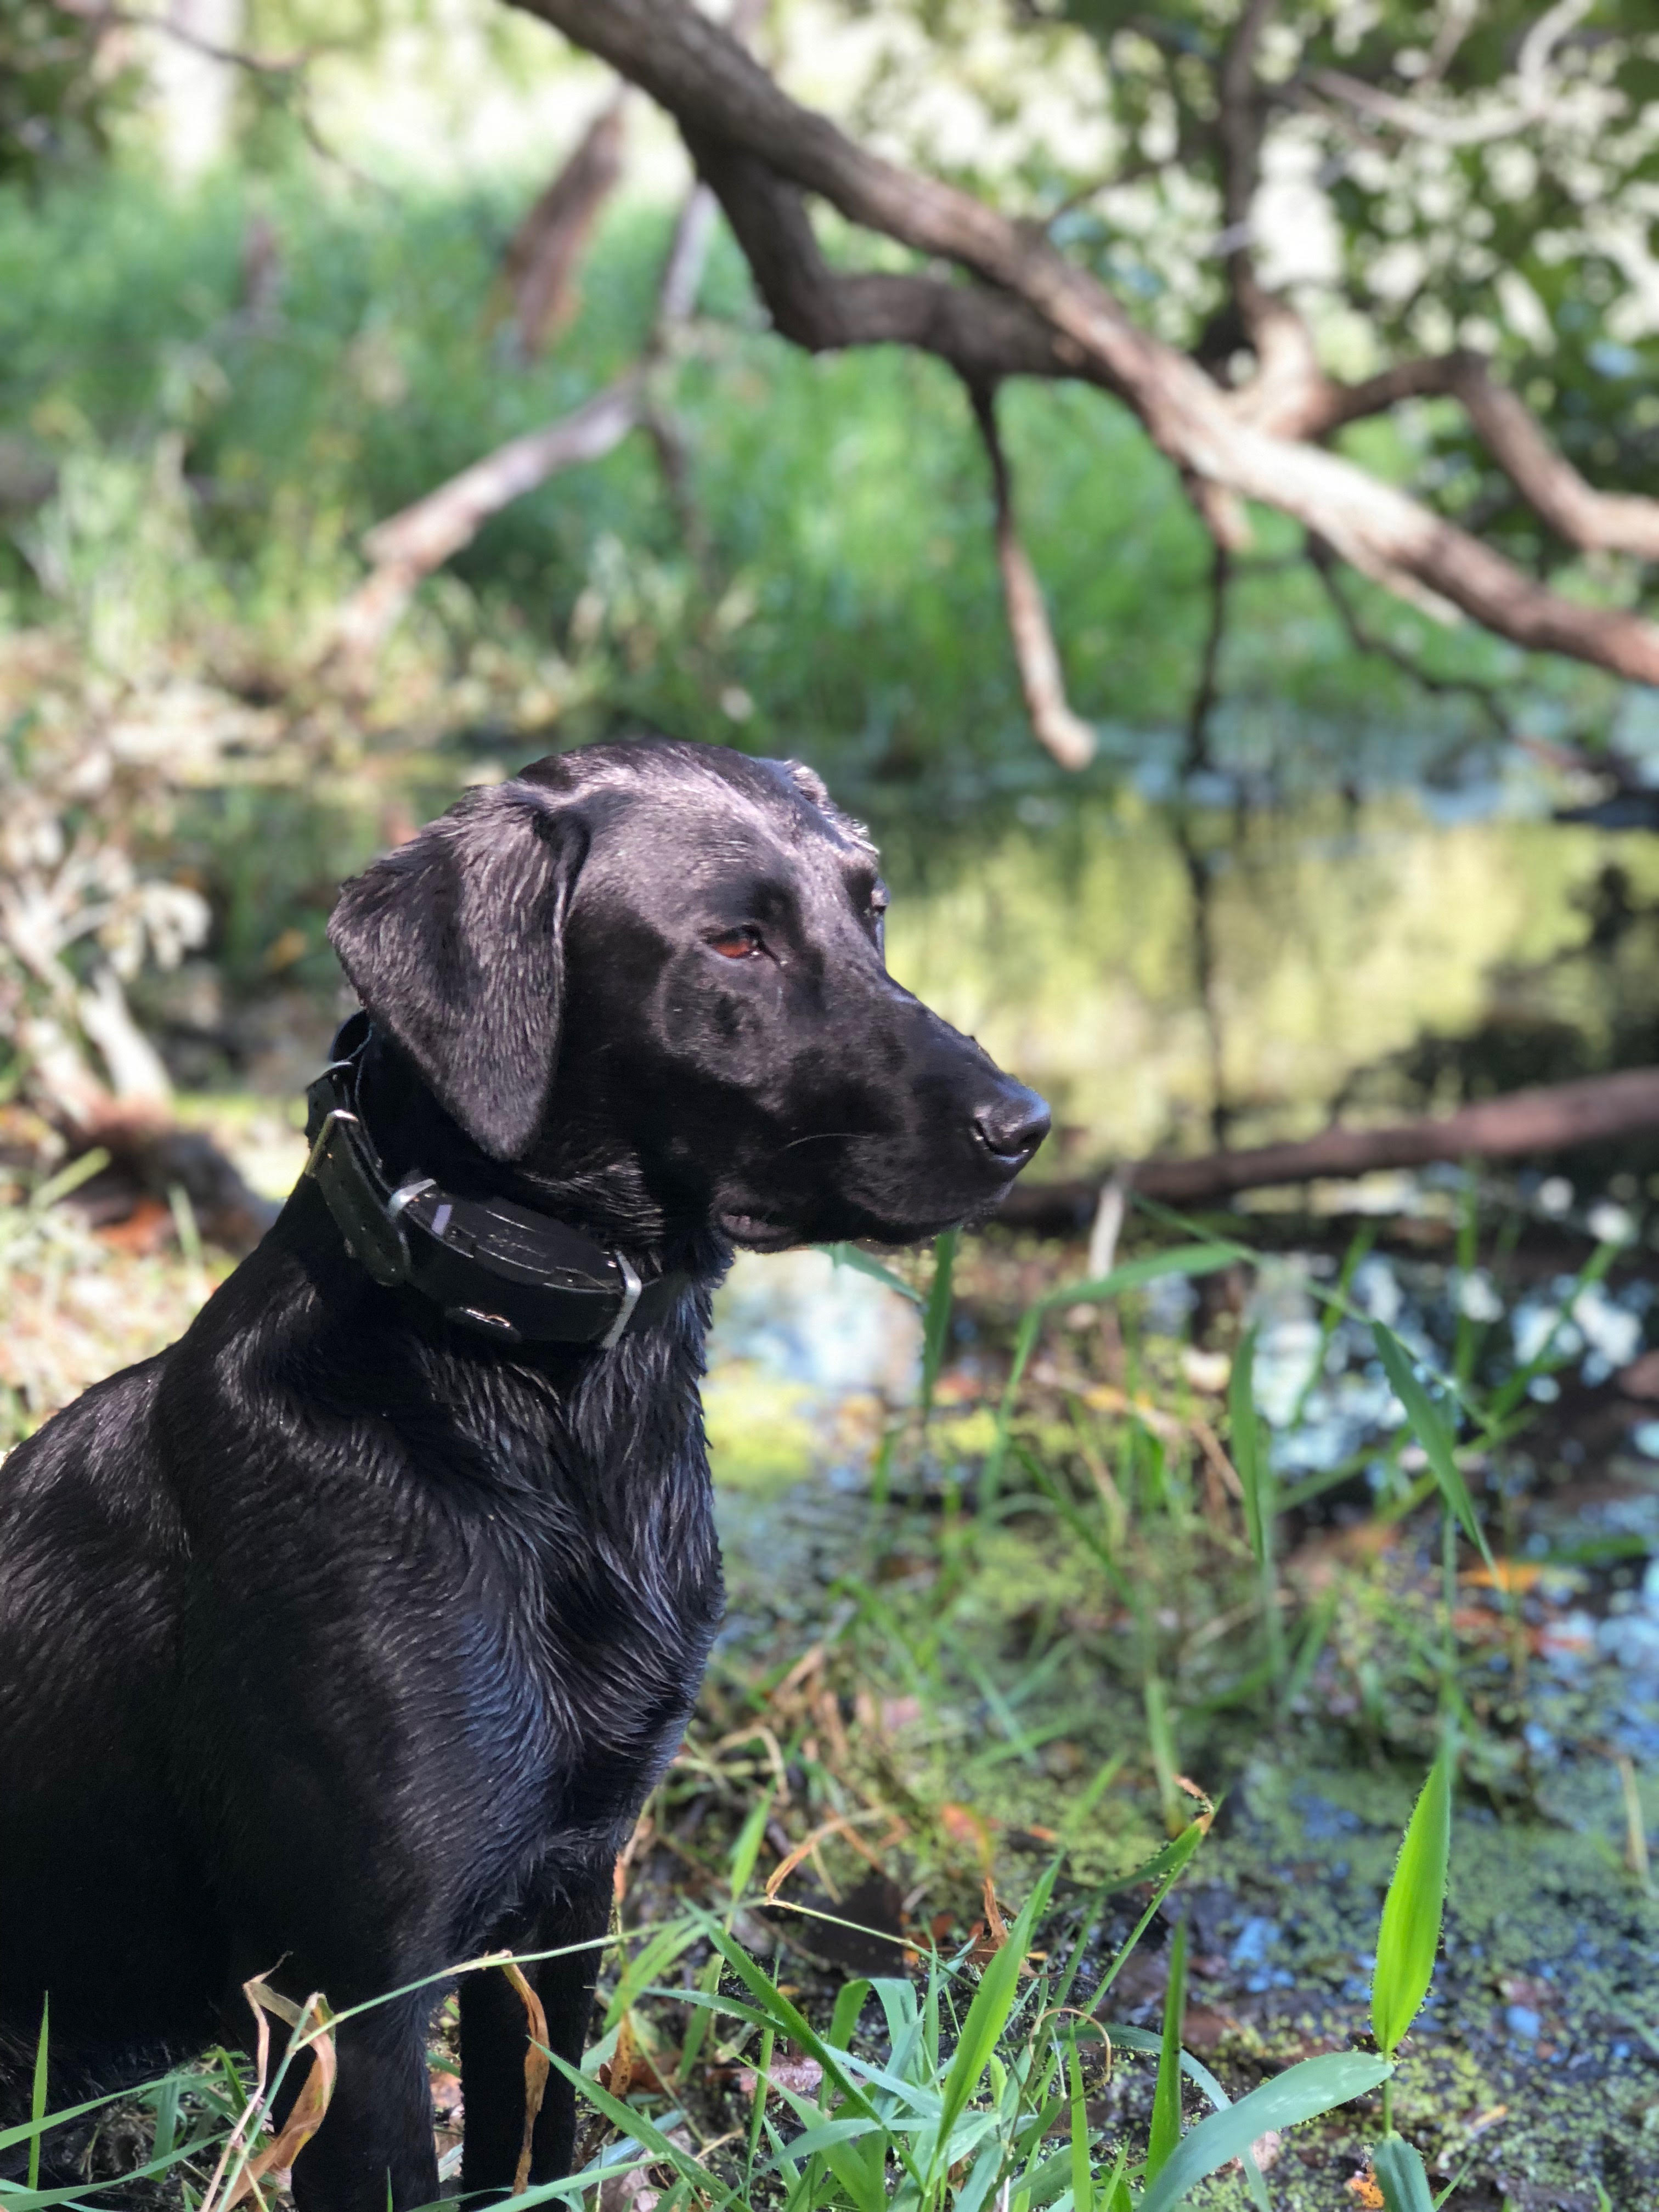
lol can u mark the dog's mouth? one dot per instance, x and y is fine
(759, 1231)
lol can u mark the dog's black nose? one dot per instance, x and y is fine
(1013, 1126)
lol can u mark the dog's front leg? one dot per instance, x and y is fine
(375, 2148)
(494, 2041)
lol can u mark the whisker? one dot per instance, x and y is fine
(820, 1137)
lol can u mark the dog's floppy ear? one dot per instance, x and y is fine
(455, 945)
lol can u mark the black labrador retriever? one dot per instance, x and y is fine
(352, 1632)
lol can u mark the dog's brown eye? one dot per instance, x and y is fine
(737, 944)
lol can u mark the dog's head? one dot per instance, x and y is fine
(658, 968)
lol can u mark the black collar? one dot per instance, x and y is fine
(488, 1265)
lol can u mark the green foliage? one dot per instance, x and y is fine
(1434, 1434)
(38, 2092)
(1462, 173)
(1165, 2139)
(58, 94)
(1301, 2092)
(1409, 1936)
(844, 502)
(1400, 2176)
(936, 1315)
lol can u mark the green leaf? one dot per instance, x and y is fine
(848, 1256)
(1409, 1934)
(987, 2015)
(1116, 2195)
(936, 1315)
(1138, 2039)
(850, 2003)
(1083, 2195)
(37, 2095)
(1244, 1434)
(1132, 1275)
(1432, 1432)
(1166, 2097)
(746, 1849)
(653, 1958)
(1166, 1869)
(1400, 2177)
(628, 2122)
(1301, 2092)
(1135, 1274)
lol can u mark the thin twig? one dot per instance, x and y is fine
(1365, 641)
(1064, 733)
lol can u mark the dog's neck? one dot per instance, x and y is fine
(567, 1178)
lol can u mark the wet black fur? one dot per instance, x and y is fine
(334, 1638)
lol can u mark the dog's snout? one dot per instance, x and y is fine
(1012, 1126)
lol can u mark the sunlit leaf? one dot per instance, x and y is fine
(1244, 1433)
(848, 1256)
(1400, 2176)
(936, 1316)
(1301, 2092)
(1429, 1424)
(1165, 2138)
(1409, 1936)
(987, 2015)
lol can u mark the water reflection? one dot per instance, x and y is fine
(1367, 955)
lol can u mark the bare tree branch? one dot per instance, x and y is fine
(1365, 641)
(546, 252)
(1283, 347)
(1552, 1117)
(282, 74)
(1414, 118)
(408, 546)
(1594, 521)
(722, 97)
(1042, 679)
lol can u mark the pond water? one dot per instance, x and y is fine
(1145, 964)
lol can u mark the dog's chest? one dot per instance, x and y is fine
(590, 1631)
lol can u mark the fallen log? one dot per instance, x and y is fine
(1550, 1118)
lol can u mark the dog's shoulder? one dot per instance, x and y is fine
(99, 1444)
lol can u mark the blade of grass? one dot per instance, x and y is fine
(1198, 1259)
(850, 2003)
(757, 2113)
(936, 1316)
(628, 2122)
(1166, 1868)
(1160, 1736)
(1508, 1394)
(1400, 2176)
(1408, 1936)
(1138, 2039)
(848, 1256)
(987, 2015)
(1255, 1476)
(1083, 2194)
(746, 1849)
(38, 2092)
(1432, 1432)
(1165, 2139)
(1301, 2092)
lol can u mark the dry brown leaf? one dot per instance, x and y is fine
(617, 2075)
(804, 2075)
(536, 2067)
(971, 1830)
(1517, 1575)
(994, 1919)
(310, 2107)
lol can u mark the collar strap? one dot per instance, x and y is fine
(489, 1266)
